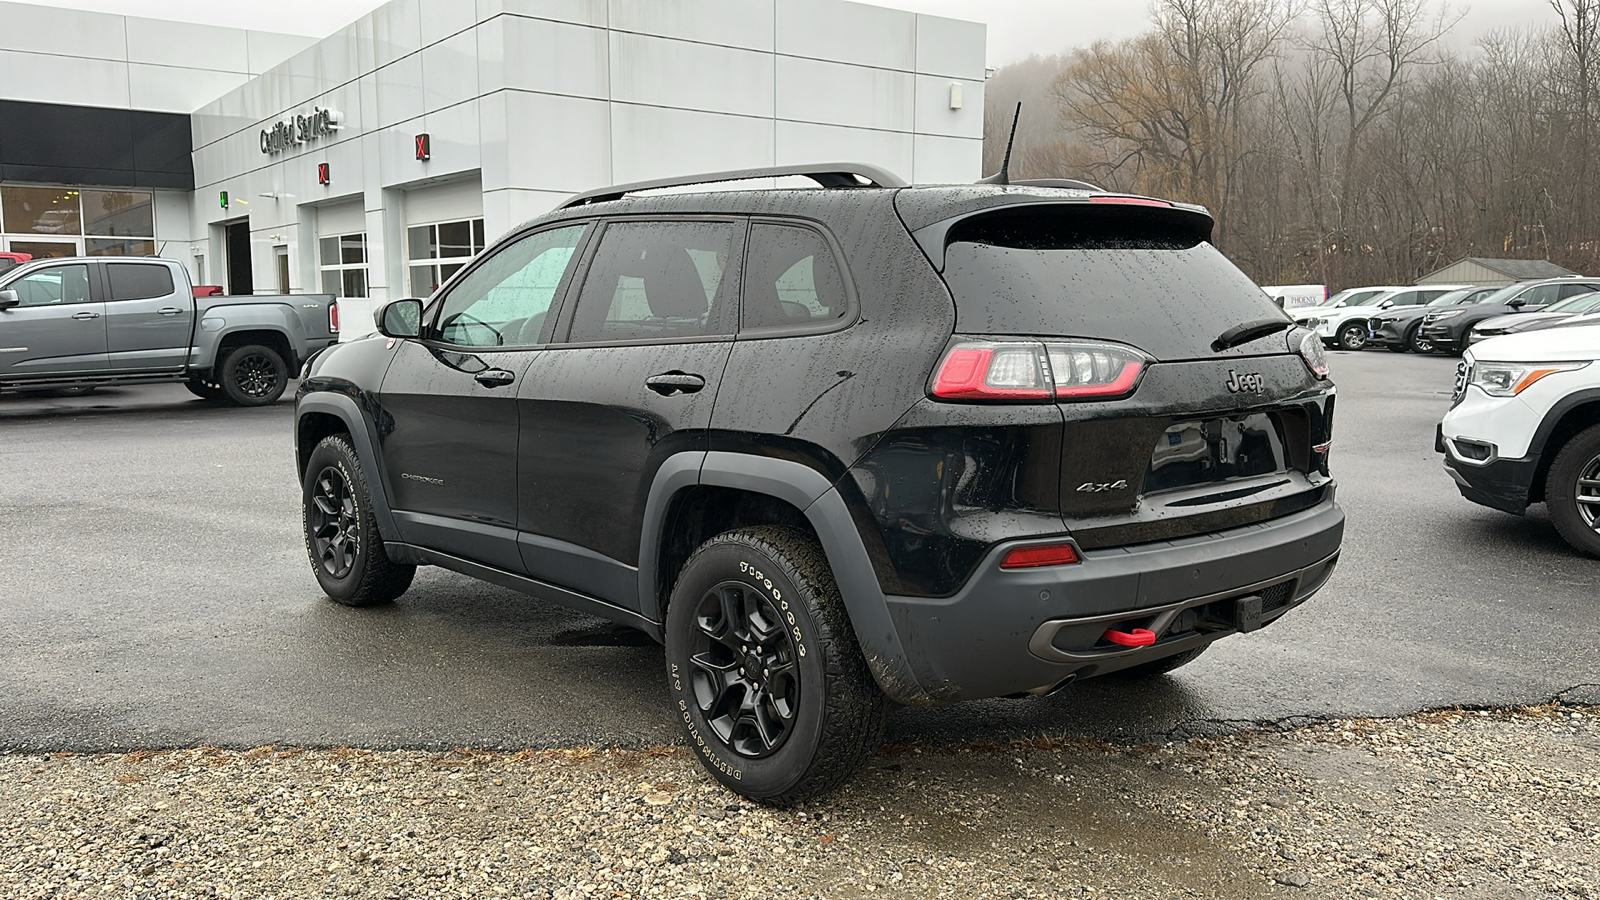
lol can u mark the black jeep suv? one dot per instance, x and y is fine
(839, 446)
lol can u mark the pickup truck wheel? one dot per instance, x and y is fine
(254, 375)
(1353, 336)
(1417, 341)
(205, 390)
(1161, 666)
(1572, 491)
(342, 540)
(763, 668)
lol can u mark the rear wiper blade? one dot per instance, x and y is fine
(1249, 331)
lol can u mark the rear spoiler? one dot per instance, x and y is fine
(1192, 222)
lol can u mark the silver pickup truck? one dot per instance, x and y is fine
(83, 322)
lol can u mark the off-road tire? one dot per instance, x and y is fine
(1161, 666)
(372, 578)
(1352, 336)
(253, 375)
(205, 390)
(1578, 458)
(1417, 342)
(838, 717)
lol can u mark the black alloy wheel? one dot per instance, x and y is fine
(746, 677)
(343, 544)
(254, 375)
(1352, 336)
(766, 678)
(1572, 491)
(1417, 341)
(332, 524)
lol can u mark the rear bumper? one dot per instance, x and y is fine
(1028, 631)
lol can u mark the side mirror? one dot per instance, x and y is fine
(9, 299)
(1517, 303)
(399, 318)
(1386, 304)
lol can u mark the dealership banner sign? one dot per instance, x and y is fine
(299, 130)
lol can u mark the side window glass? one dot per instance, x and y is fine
(132, 281)
(1573, 290)
(1543, 294)
(654, 280)
(54, 286)
(791, 279)
(504, 301)
(1405, 298)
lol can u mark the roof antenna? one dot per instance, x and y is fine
(1004, 175)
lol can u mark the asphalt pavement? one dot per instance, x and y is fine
(154, 592)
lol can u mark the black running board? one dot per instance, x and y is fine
(533, 587)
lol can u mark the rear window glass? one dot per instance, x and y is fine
(655, 281)
(137, 281)
(1090, 276)
(790, 279)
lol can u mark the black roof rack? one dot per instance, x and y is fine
(828, 175)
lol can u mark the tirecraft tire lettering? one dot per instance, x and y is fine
(783, 605)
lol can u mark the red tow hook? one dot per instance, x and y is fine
(1139, 637)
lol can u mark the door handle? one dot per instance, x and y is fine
(86, 315)
(169, 311)
(668, 383)
(494, 377)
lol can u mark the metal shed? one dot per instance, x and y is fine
(1485, 271)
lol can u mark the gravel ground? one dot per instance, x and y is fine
(1454, 804)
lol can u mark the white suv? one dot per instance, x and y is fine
(1524, 428)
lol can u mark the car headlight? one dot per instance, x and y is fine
(1499, 379)
(1441, 316)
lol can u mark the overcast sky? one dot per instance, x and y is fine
(1017, 28)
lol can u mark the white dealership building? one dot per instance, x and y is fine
(373, 162)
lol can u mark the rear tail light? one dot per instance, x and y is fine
(1037, 372)
(1309, 345)
(333, 317)
(1039, 556)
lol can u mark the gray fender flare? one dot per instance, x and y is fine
(824, 507)
(344, 408)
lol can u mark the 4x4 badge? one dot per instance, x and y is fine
(1093, 487)
(1239, 383)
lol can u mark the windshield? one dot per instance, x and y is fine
(1454, 297)
(1580, 304)
(1351, 297)
(1504, 294)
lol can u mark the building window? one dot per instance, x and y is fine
(440, 250)
(60, 221)
(344, 265)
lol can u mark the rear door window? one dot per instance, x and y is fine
(791, 280)
(1071, 271)
(656, 281)
(138, 281)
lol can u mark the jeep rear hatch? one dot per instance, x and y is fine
(1185, 409)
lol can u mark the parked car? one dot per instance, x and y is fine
(1296, 296)
(838, 446)
(1401, 329)
(1448, 328)
(1549, 317)
(76, 323)
(1347, 327)
(1524, 428)
(9, 261)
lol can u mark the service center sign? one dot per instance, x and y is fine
(299, 130)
